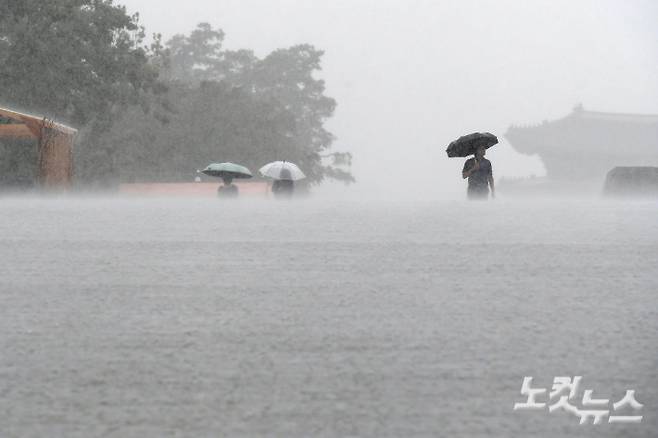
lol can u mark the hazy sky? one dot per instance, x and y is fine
(412, 75)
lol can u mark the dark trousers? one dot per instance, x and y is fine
(478, 192)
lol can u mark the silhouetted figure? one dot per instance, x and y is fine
(284, 186)
(228, 190)
(479, 172)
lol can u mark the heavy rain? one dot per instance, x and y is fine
(328, 218)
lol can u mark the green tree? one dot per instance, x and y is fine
(79, 61)
(162, 111)
(75, 59)
(194, 58)
(280, 90)
(286, 77)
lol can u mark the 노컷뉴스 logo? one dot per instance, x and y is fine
(565, 390)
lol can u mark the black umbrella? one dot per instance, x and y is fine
(468, 144)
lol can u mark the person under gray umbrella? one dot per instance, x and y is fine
(228, 190)
(478, 169)
(479, 172)
(227, 172)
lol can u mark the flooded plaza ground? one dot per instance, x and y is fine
(125, 317)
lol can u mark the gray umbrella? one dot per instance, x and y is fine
(468, 144)
(230, 170)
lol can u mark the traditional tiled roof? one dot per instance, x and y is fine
(602, 140)
(580, 114)
(650, 119)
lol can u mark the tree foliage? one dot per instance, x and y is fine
(160, 112)
(77, 60)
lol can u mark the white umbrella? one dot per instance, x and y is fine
(282, 170)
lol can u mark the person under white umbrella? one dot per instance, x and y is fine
(284, 174)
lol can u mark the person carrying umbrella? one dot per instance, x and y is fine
(228, 190)
(478, 169)
(227, 172)
(284, 174)
(285, 186)
(479, 172)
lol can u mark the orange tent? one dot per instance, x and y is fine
(54, 140)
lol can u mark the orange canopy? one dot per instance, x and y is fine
(55, 142)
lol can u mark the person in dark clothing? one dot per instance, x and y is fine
(284, 186)
(479, 172)
(228, 190)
